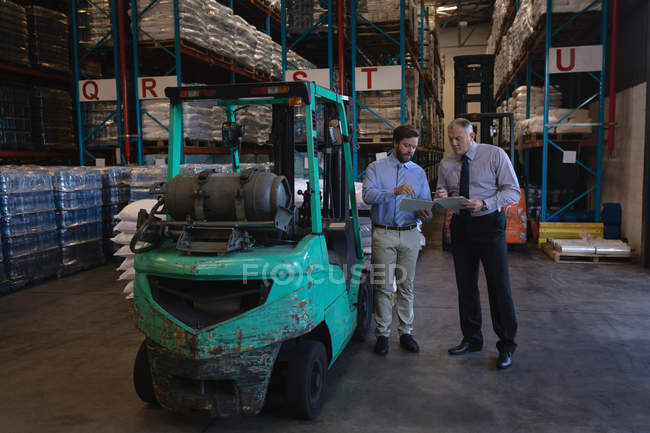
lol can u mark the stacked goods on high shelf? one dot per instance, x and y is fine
(14, 37)
(300, 129)
(94, 22)
(302, 15)
(528, 19)
(257, 120)
(201, 120)
(499, 13)
(96, 113)
(214, 27)
(386, 104)
(535, 124)
(143, 179)
(52, 119)
(93, 27)
(29, 232)
(15, 118)
(78, 201)
(380, 11)
(48, 38)
(115, 195)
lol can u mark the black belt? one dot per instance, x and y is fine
(398, 228)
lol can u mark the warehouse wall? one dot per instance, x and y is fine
(476, 44)
(623, 171)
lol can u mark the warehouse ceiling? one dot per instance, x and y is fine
(466, 12)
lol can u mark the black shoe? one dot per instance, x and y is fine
(408, 343)
(464, 347)
(504, 361)
(381, 347)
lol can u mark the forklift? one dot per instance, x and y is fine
(235, 286)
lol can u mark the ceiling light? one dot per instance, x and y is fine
(446, 8)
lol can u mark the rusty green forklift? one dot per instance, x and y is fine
(234, 284)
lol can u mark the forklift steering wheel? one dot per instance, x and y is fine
(137, 236)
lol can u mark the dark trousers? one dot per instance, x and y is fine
(483, 238)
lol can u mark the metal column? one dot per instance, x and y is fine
(77, 62)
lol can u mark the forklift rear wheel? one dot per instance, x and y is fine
(365, 308)
(142, 376)
(306, 378)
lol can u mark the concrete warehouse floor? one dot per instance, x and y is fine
(583, 362)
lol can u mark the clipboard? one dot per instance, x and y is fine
(453, 203)
(415, 204)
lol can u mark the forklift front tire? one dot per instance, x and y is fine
(306, 379)
(142, 376)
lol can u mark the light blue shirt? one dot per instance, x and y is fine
(491, 177)
(378, 190)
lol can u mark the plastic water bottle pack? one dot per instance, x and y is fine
(29, 236)
(33, 267)
(70, 218)
(30, 243)
(25, 223)
(78, 199)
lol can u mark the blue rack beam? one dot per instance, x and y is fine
(77, 63)
(600, 95)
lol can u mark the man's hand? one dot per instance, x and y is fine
(423, 214)
(405, 189)
(474, 205)
(441, 193)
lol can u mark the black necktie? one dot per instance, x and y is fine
(464, 182)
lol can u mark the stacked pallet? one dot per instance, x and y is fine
(94, 22)
(587, 250)
(384, 11)
(387, 105)
(52, 119)
(100, 113)
(48, 38)
(14, 37)
(15, 118)
(143, 179)
(78, 201)
(212, 26)
(29, 232)
(525, 128)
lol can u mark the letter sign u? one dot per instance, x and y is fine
(572, 60)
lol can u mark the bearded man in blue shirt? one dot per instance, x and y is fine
(395, 236)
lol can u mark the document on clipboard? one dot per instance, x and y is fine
(453, 203)
(415, 204)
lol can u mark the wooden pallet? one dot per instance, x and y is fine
(559, 257)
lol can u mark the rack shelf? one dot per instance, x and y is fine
(586, 27)
(61, 78)
(213, 149)
(42, 155)
(201, 57)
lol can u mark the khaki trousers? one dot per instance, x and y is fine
(394, 255)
